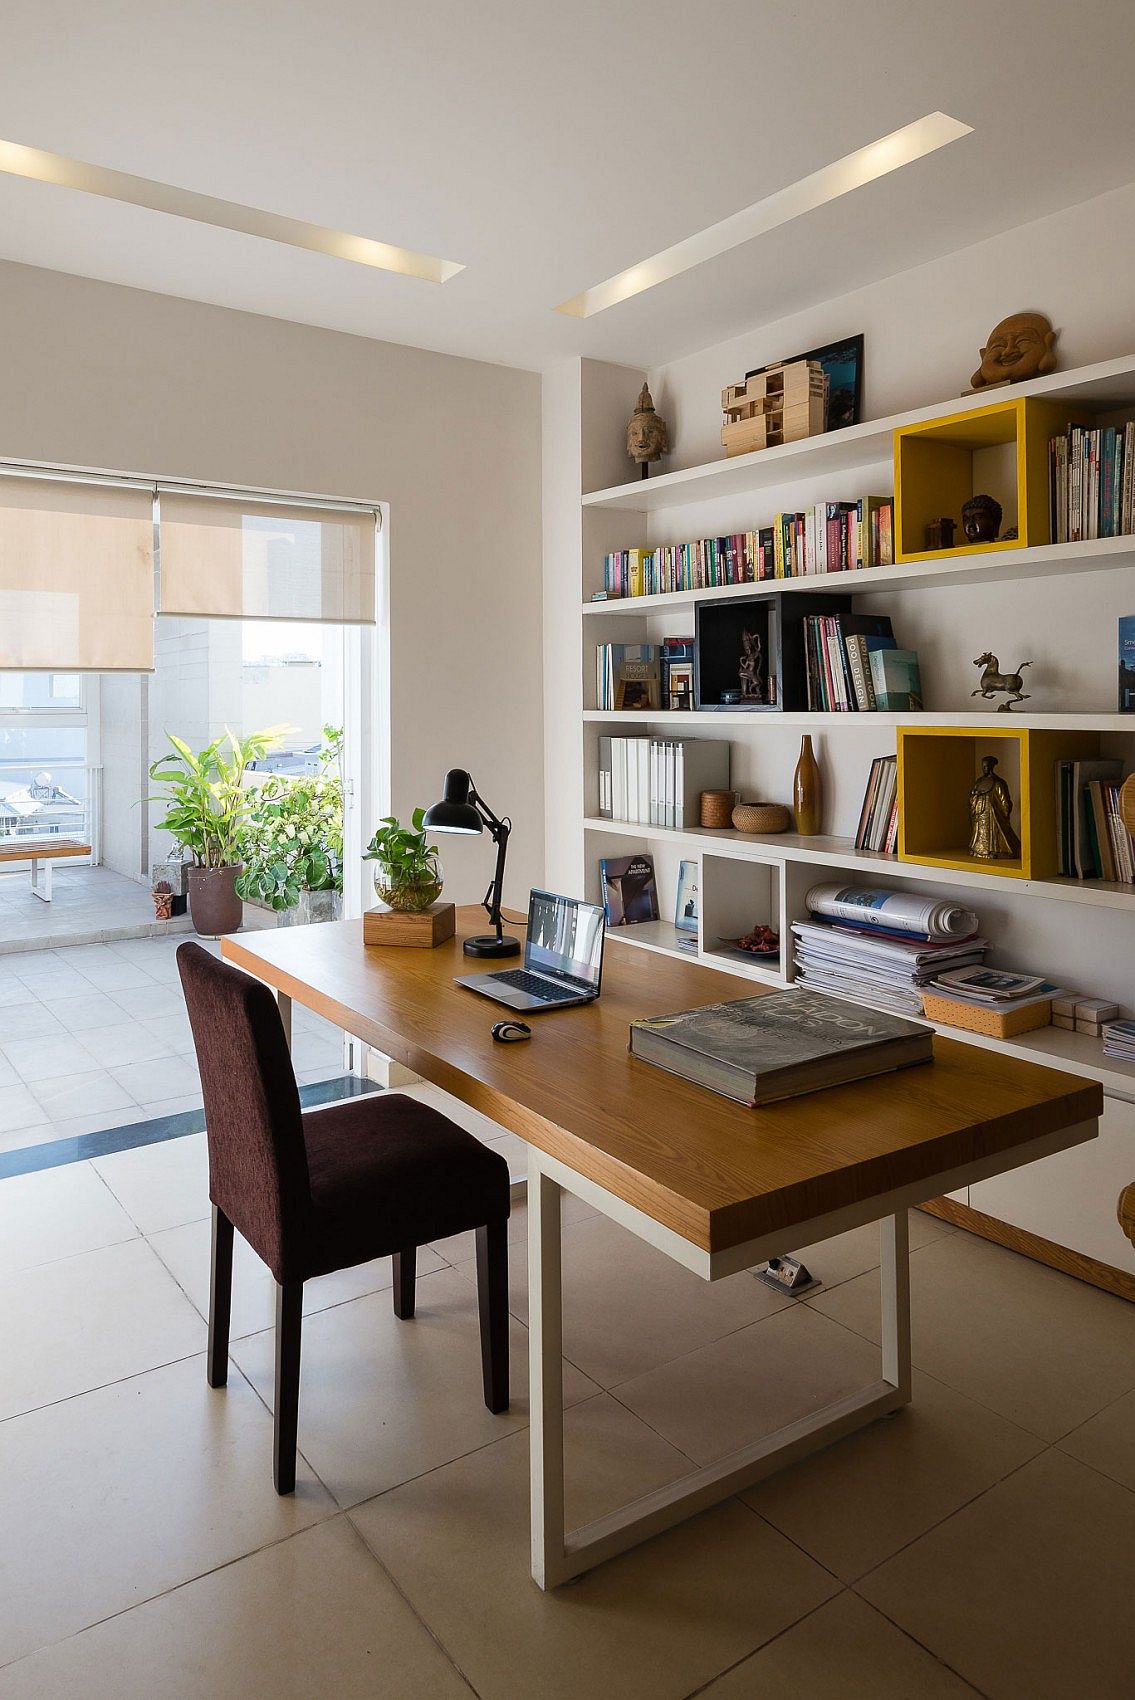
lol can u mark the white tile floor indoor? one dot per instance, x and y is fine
(981, 1541)
(96, 1035)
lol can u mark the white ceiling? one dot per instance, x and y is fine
(547, 146)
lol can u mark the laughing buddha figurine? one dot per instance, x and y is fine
(990, 809)
(1021, 346)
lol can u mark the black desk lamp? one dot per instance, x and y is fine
(462, 810)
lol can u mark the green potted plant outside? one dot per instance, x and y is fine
(407, 874)
(292, 842)
(207, 804)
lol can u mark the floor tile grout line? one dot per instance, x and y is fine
(410, 1605)
(960, 1392)
(1007, 1475)
(762, 1646)
(100, 1386)
(1076, 1427)
(1113, 1481)
(175, 1588)
(929, 1651)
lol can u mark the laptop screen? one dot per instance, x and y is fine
(565, 939)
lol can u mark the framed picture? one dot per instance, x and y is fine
(686, 908)
(843, 363)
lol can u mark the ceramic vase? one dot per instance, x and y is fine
(807, 791)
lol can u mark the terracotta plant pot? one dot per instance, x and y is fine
(213, 902)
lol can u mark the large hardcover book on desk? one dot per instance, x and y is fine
(781, 1045)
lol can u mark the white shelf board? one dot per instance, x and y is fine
(658, 936)
(841, 853)
(1109, 383)
(987, 719)
(1053, 1047)
(1101, 554)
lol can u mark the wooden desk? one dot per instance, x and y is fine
(45, 850)
(713, 1185)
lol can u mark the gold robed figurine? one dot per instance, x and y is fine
(990, 810)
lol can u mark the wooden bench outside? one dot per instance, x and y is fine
(45, 850)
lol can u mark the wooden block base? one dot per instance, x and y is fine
(390, 926)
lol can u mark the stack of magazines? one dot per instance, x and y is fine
(884, 946)
(1119, 1040)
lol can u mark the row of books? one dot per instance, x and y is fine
(645, 675)
(1092, 482)
(659, 781)
(853, 664)
(832, 537)
(1094, 843)
(879, 817)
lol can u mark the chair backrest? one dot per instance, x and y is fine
(257, 1159)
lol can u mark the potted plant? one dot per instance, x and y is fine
(292, 841)
(207, 804)
(407, 874)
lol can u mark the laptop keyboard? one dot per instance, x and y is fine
(526, 982)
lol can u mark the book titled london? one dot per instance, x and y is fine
(780, 1045)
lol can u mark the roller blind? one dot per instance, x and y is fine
(76, 576)
(239, 559)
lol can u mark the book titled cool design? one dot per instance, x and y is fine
(781, 1045)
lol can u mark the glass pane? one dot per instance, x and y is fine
(43, 781)
(41, 691)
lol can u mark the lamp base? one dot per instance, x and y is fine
(488, 944)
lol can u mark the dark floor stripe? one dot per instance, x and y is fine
(52, 1154)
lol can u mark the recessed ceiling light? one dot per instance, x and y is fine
(43, 167)
(901, 147)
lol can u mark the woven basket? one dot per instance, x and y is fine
(761, 817)
(717, 807)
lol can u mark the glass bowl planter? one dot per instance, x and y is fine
(409, 889)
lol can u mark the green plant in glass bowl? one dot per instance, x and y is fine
(407, 873)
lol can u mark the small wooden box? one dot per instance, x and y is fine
(994, 1023)
(430, 927)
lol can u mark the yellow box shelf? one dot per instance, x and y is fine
(937, 767)
(1001, 450)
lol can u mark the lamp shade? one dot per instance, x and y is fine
(455, 813)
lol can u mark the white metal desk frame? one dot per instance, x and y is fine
(557, 1555)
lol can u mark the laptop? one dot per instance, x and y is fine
(563, 957)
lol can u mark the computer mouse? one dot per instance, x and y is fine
(511, 1032)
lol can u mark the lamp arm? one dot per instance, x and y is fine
(498, 831)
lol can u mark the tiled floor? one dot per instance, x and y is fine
(981, 1541)
(96, 1035)
(88, 904)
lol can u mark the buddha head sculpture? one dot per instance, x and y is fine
(1021, 346)
(647, 436)
(981, 519)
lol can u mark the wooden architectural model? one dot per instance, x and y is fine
(781, 404)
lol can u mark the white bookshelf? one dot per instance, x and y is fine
(1058, 560)
(840, 853)
(1107, 384)
(617, 516)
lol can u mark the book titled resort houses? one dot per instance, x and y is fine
(780, 1045)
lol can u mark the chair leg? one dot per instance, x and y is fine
(220, 1299)
(405, 1278)
(289, 1318)
(492, 1303)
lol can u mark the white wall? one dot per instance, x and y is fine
(924, 327)
(97, 375)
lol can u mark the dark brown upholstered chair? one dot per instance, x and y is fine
(320, 1191)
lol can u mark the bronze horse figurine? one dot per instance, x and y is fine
(993, 681)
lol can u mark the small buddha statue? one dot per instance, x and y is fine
(990, 809)
(647, 436)
(1021, 346)
(981, 519)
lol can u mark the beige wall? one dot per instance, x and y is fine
(92, 374)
